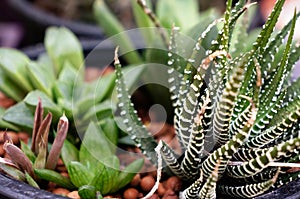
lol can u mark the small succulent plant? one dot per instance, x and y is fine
(236, 113)
(94, 169)
(25, 161)
(57, 77)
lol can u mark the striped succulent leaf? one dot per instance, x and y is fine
(208, 190)
(249, 190)
(261, 162)
(272, 48)
(225, 152)
(193, 190)
(272, 88)
(187, 79)
(235, 115)
(282, 121)
(171, 159)
(134, 126)
(192, 157)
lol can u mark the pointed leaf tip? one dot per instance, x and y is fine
(116, 56)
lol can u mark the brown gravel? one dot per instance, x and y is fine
(161, 189)
(24, 137)
(74, 195)
(136, 180)
(147, 183)
(2, 152)
(131, 193)
(6, 102)
(13, 135)
(61, 191)
(174, 183)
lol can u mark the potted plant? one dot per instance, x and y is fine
(236, 117)
(236, 101)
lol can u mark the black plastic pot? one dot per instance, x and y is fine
(11, 188)
(289, 191)
(36, 21)
(98, 53)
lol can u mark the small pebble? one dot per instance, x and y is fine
(161, 189)
(65, 174)
(147, 183)
(60, 162)
(74, 195)
(131, 193)
(170, 194)
(174, 183)
(2, 152)
(136, 180)
(5, 101)
(61, 191)
(154, 196)
(24, 137)
(51, 186)
(14, 136)
(61, 169)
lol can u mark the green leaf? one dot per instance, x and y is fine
(134, 126)
(142, 20)
(79, 174)
(69, 152)
(206, 18)
(94, 146)
(53, 176)
(40, 160)
(115, 31)
(32, 99)
(31, 181)
(99, 111)
(26, 149)
(106, 175)
(87, 192)
(20, 115)
(62, 46)
(14, 64)
(10, 88)
(178, 12)
(12, 171)
(6, 125)
(272, 89)
(41, 77)
(128, 173)
(268, 28)
(103, 87)
(111, 132)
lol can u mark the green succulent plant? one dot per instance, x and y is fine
(25, 161)
(236, 112)
(57, 77)
(94, 169)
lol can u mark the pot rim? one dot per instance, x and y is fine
(39, 16)
(11, 188)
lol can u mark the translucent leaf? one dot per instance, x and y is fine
(62, 46)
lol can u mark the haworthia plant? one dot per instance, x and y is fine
(25, 161)
(236, 112)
